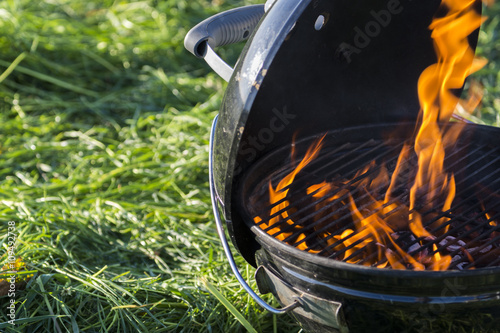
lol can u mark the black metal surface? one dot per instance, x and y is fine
(474, 160)
(292, 77)
(378, 300)
(240, 94)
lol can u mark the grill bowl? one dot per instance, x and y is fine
(384, 298)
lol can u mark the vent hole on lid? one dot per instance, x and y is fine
(246, 33)
(320, 22)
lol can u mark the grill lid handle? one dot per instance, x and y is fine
(225, 244)
(225, 28)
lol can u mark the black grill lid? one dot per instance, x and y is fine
(295, 74)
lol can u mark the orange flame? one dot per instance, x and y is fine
(278, 196)
(372, 242)
(435, 86)
(492, 222)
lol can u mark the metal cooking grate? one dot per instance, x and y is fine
(472, 231)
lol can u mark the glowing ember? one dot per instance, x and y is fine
(377, 220)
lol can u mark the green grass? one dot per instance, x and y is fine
(488, 112)
(104, 121)
(104, 126)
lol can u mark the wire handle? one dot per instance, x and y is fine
(225, 244)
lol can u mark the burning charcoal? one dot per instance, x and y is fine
(414, 247)
(486, 249)
(456, 258)
(452, 244)
(461, 263)
(403, 234)
(487, 258)
(395, 235)
(429, 239)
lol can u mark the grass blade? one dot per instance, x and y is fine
(50, 79)
(12, 66)
(229, 306)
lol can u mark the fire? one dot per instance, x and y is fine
(438, 104)
(492, 222)
(278, 196)
(376, 221)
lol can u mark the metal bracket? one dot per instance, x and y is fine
(321, 311)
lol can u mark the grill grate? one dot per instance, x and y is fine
(472, 230)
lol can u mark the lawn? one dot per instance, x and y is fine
(104, 128)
